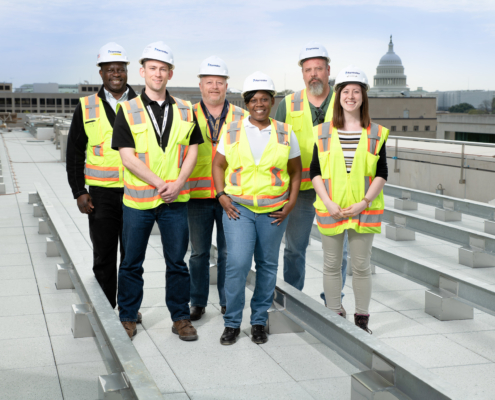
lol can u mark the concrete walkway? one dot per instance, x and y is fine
(41, 359)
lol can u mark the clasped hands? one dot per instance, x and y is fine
(169, 191)
(338, 213)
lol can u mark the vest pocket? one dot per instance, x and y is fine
(232, 156)
(297, 120)
(371, 162)
(140, 133)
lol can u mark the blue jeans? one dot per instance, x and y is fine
(297, 238)
(172, 222)
(201, 215)
(251, 234)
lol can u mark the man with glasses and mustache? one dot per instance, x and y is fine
(303, 110)
(203, 208)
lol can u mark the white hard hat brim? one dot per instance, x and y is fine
(364, 85)
(223, 76)
(301, 62)
(273, 92)
(172, 66)
(108, 62)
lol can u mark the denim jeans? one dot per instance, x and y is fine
(172, 222)
(201, 215)
(105, 231)
(297, 238)
(251, 234)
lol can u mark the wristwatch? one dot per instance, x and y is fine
(367, 202)
(219, 194)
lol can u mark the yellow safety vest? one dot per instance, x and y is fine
(201, 180)
(165, 164)
(261, 188)
(103, 165)
(299, 116)
(345, 188)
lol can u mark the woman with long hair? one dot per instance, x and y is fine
(348, 171)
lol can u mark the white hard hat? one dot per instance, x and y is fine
(313, 50)
(258, 81)
(158, 51)
(111, 52)
(352, 74)
(213, 66)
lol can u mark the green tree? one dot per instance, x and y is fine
(461, 108)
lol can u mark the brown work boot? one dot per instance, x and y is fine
(130, 328)
(362, 320)
(185, 330)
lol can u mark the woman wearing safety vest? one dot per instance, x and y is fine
(349, 170)
(257, 173)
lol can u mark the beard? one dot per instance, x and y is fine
(316, 87)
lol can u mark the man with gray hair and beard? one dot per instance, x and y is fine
(303, 110)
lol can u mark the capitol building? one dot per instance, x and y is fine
(389, 80)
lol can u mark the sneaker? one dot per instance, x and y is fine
(362, 320)
(229, 336)
(185, 330)
(259, 335)
(223, 310)
(130, 328)
(196, 312)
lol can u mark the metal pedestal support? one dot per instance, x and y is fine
(442, 303)
(398, 232)
(62, 277)
(81, 327)
(51, 247)
(278, 322)
(447, 213)
(3, 190)
(375, 384)
(110, 386)
(37, 210)
(405, 202)
(490, 227)
(475, 255)
(43, 227)
(33, 197)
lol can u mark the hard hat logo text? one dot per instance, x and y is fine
(115, 52)
(163, 51)
(312, 48)
(213, 65)
(260, 80)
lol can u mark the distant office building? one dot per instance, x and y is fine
(405, 116)
(389, 80)
(447, 99)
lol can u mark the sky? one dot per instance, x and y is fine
(443, 44)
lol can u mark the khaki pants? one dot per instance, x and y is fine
(360, 251)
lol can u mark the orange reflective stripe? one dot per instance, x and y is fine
(275, 176)
(182, 153)
(104, 174)
(324, 136)
(144, 157)
(233, 132)
(235, 177)
(305, 177)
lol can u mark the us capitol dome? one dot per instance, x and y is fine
(389, 80)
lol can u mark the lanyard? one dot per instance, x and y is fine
(165, 116)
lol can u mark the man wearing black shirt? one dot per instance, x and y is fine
(157, 136)
(88, 153)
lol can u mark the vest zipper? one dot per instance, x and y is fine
(256, 183)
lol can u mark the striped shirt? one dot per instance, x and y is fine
(349, 141)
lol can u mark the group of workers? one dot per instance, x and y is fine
(154, 158)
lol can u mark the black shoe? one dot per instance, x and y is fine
(362, 321)
(196, 313)
(223, 310)
(229, 336)
(258, 334)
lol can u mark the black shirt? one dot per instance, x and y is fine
(122, 135)
(381, 165)
(77, 142)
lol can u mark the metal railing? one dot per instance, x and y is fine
(462, 179)
(128, 376)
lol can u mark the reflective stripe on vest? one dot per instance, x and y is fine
(147, 193)
(276, 179)
(297, 101)
(92, 107)
(98, 151)
(109, 174)
(135, 111)
(144, 157)
(282, 133)
(324, 136)
(235, 177)
(374, 134)
(184, 110)
(199, 183)
(368, 218)
(233, 132)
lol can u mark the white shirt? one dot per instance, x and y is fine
(258, 139)
(113, 101)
